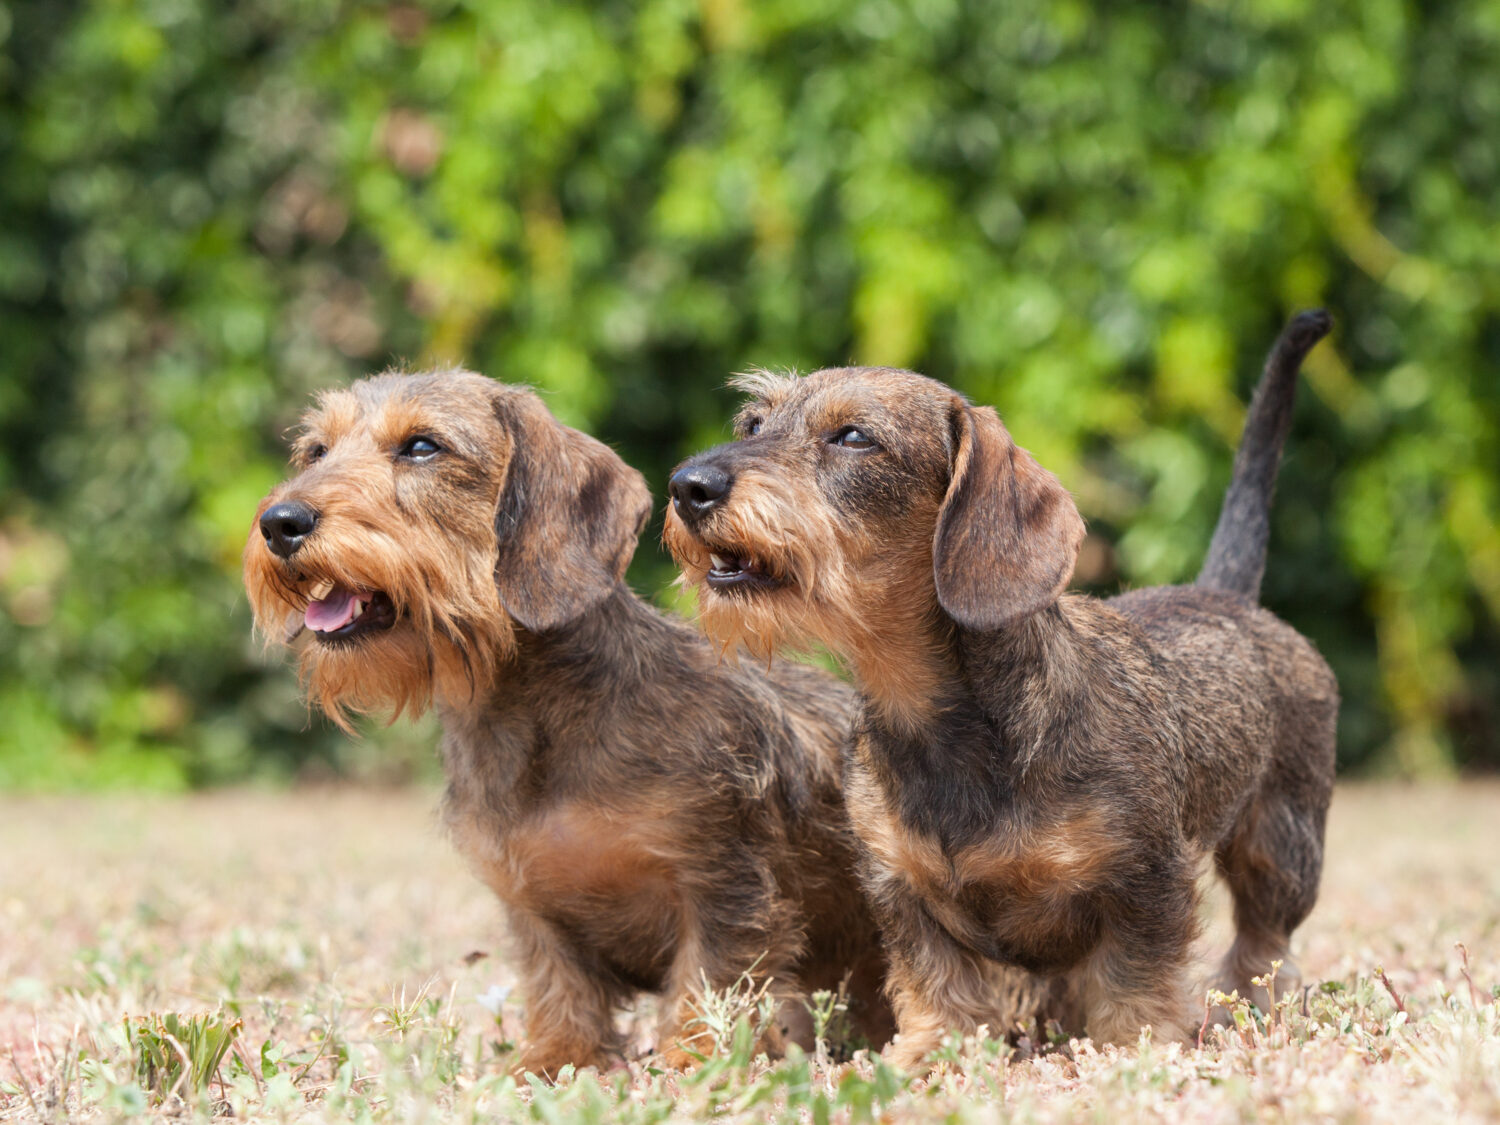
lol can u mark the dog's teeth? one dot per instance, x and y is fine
(720, 562)
(320, 591)
(359, 607)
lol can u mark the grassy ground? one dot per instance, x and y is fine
(355, 971)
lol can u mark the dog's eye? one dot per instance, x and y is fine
(752, 427)
(850, 437)
(317, 453)
(420, 448)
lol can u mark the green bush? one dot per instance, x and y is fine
(1094, 216)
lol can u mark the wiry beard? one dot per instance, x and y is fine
(801, 554)
(876, 612)
(449, 636)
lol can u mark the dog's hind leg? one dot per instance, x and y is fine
(1272, 858)
(1272, 864)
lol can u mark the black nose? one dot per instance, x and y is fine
(286, 525)
(698, 489)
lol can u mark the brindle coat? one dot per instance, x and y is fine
(1034, 775)
(649, 817)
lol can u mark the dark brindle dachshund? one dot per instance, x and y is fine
(651, 820)
(1034, 775)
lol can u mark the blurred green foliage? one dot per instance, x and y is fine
(1094, 216)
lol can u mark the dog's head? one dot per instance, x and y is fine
(429, 517)
(857, 500)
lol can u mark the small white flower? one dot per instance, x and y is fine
(493, 999)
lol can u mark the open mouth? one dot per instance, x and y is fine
(336, 614)
(738, 572)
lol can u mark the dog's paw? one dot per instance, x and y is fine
(910, 1053)
(678, 1057)
(549, 1065)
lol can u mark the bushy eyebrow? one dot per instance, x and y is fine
(767, 387)
(841, 408)
(334, 414)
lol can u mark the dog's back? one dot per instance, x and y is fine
(1271, 696)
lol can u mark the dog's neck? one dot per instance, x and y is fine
(563, 695)
(1002, 674)
(601, 650)
(987, 738)
(1037, 661)
(903, 659)
(539, 692)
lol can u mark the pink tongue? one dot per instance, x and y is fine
(333, 612)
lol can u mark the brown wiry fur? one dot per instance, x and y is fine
(1035, 777)
(650, 819)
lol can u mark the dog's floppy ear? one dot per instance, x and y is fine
(568, 518)
(1008, 532)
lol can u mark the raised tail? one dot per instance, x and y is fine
(1237, 555)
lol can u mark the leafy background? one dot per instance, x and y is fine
(1094, 216)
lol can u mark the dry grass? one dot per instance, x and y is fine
(337, 935)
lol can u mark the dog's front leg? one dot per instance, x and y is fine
(569, 1008)
(723, 945)
(936, 985)
(1138, 975)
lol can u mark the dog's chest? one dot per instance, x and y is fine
(578, 853)
(1029, 897)
(609, 882)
